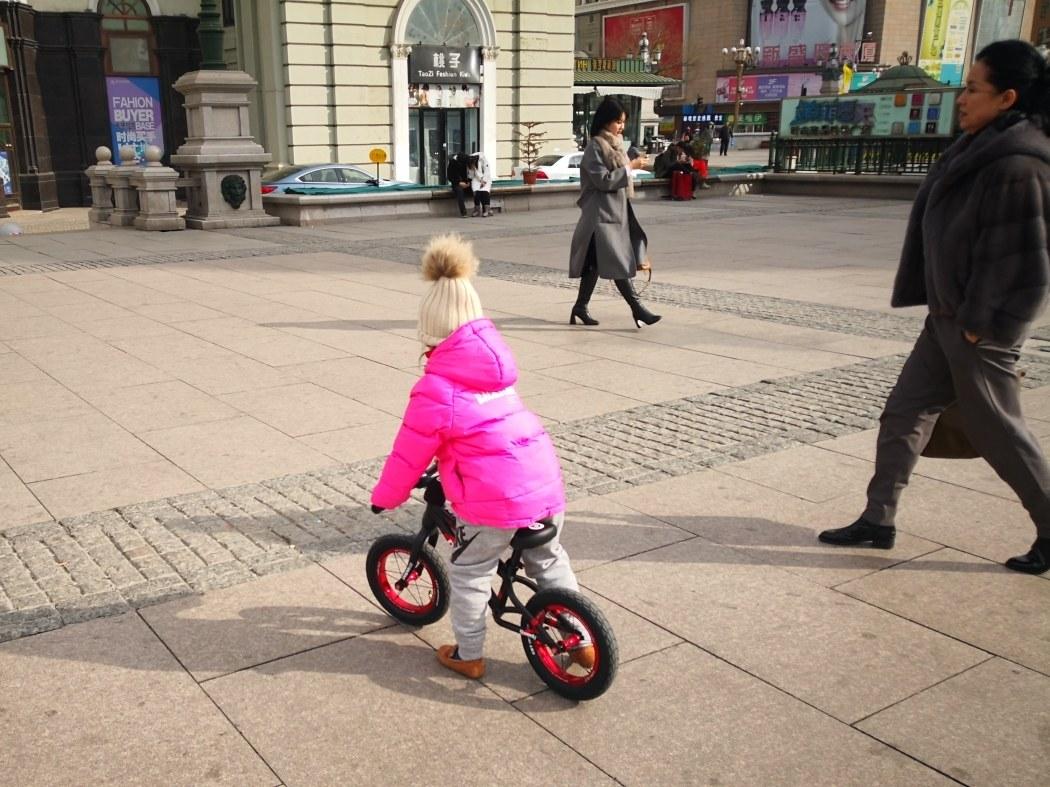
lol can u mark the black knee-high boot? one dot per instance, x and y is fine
(639, 312)
(588, 281)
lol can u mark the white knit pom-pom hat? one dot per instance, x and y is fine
(452, 301)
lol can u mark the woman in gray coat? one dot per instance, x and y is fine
(608, 241)
(976, 252)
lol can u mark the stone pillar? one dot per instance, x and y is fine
(489, 108)
(101, 191)
(125, 200)
(220, 155)
(155, 185)
(399, 91)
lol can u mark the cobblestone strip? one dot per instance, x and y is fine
(104, 563)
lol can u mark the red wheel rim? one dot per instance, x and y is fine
(419, 596)
(556, 661)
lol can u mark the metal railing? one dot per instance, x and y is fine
(856, 155)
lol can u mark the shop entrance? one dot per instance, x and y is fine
(435, 135)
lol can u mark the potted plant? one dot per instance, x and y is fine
(529, 142)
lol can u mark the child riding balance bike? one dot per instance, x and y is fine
(500, 475)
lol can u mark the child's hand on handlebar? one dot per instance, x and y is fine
(377, 509)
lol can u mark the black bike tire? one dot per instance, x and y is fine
(433, 565)
(602, 637)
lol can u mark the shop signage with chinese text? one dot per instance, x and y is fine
(444, 65)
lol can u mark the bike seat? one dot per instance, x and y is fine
(535, 535)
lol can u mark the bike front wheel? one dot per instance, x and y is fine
(423, 595)
(580, 657)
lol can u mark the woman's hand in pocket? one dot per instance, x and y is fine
(972, 338)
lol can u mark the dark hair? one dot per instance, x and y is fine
(1017, 65)
(609, 110)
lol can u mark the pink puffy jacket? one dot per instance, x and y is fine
(497, 463)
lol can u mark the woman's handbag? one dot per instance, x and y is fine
(948, 439)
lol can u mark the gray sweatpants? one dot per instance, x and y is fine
(474, 563)
(943, 368)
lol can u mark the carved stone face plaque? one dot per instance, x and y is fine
(234, 190)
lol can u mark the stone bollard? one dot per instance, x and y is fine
(155, 185)
(125, 199)
(101, 191)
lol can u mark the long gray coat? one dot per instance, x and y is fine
(619, 240)
(976, 248)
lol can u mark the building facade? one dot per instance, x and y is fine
(420, 79)
(793, 39)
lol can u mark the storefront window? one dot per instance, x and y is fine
(447, 22)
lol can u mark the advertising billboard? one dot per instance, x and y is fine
(945, 31)
(768, 87)
(801, 32)
(665, 28)
(917, 113)
(998, 20)
(135, 118)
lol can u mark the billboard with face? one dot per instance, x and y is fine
(801, 32)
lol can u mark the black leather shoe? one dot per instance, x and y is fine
(1036, 561)
(861, 532)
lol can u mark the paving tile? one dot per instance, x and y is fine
(16, 369)
(234, 451)
(227, 373)
(805, 472)
(303, 409)
(305, 715)
(18, 505)
(770, 527)
(176, 311)
(42, 450)
(103, 702)
(268, 618)
(578, 402)
(143, 408)
(765, 621)
(987, 726)
(680, 716)
(970, 599)
(624, 379)
(98, 490)
(357, 442)
(374, 384)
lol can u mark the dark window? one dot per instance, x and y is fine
(355, 176)
(228, 18)
(128, 37)
(328, 175)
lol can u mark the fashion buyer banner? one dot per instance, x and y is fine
(801, 32)
(135, 118)
(945, 31)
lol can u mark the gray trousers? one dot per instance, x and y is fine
(474, 563)
(942, 368)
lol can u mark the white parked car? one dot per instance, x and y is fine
(565, 166)
(558, 166)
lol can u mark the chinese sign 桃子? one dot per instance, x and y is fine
(134, 114)
(444, 65)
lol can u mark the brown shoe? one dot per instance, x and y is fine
(583, 656)
(449, 657)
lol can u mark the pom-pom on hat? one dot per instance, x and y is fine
(452, 301)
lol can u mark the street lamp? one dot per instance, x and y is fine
(744, 57)
(650, 56)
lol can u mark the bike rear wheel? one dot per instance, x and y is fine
(425, 595)
(574, 624)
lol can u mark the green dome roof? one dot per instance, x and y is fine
(898, 78)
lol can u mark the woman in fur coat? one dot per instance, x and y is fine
(976, 254)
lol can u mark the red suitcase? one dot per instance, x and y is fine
(681, 185)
